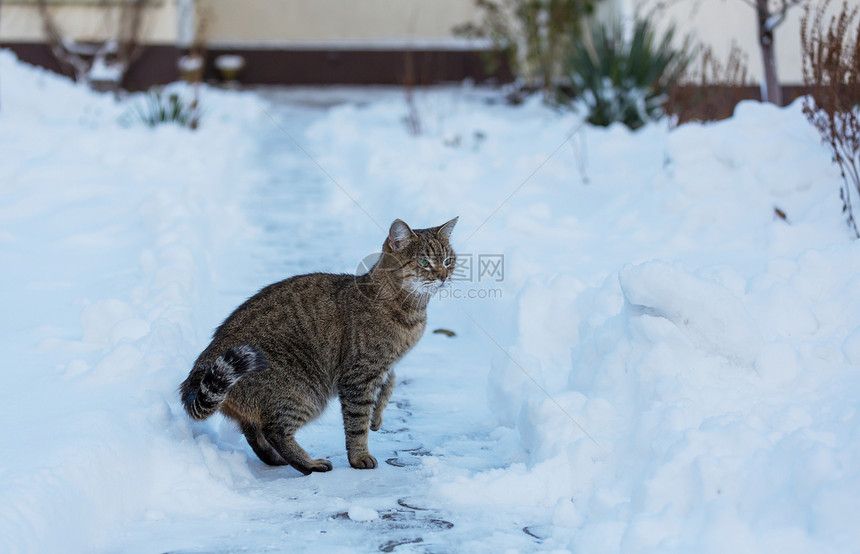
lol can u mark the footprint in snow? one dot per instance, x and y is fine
(409, 524)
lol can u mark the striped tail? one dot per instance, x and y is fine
(202, 396)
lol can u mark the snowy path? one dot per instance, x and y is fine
(432, 425)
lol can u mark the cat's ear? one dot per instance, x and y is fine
(446, 229)
(399, 234)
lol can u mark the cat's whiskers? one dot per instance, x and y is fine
(418, 293)
(409, 294)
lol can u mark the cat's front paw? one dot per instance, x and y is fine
(363, 462)
(376, 423)
(322, 465)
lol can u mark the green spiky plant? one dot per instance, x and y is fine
(625, 79)
(159, 106)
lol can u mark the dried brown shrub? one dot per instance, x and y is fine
(831, 68)
(709, 90)
(117, 51)
(533, 35)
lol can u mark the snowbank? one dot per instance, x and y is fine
(681, 369)
(712, 429)
(105, 233)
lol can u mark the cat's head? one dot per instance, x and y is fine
(419, 261)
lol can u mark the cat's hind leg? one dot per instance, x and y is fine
(261, 446)
(282, 438)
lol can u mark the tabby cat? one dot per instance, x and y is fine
(275, 362)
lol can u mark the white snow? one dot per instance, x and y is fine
(104, 71)
(190, 63)
(659, 364)
(229, 62)
(362, 513)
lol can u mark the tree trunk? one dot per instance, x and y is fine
(1, 6)
(184, 23)
(771, 91)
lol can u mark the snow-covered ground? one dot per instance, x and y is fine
(646, 357)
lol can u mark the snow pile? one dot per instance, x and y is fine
(104, 233)
(720, 410)
(361, 513)
(682, 371)
(708, 427)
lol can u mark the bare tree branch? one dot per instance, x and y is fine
(111, 57)
(1, 11)
(131, 28)
(67, 54)
(770, 14)
(778, 17)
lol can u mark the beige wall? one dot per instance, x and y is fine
(397, 23)
(719, 22)
(20, 21)
(326, 21)
(274, 22)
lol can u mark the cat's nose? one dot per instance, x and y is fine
(443, 275)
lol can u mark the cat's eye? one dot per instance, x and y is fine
(423, 263)
(447, 261)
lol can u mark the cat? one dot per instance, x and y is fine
(277, 360)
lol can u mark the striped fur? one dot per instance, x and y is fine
(321, 336)
(203, 396)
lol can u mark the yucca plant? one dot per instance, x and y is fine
(159, 106)
(624, 79)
